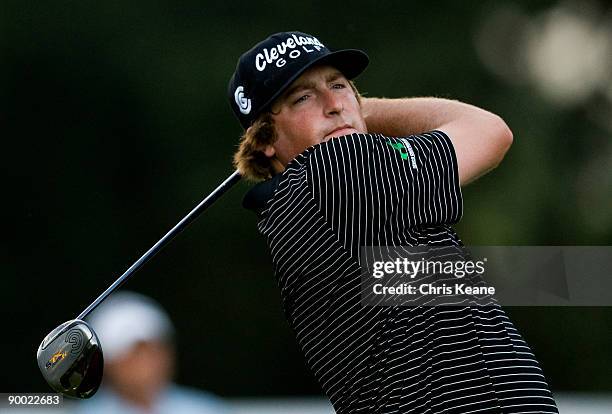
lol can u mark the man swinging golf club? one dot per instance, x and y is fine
(337, 178)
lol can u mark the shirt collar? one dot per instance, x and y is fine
(258, 196)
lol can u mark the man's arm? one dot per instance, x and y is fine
(480, 138)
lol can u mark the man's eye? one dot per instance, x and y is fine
(301, 99)
(339, 86)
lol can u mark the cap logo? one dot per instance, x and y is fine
(244, 104)
(292, 45)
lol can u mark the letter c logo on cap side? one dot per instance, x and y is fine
(244, 104)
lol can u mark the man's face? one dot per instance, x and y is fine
(318, 106)
(143, 371)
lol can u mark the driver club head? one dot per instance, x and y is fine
(70, 359)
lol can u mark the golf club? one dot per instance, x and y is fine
(70, 357)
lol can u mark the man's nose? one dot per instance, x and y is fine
(333, 103)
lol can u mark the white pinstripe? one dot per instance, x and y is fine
(357, 191)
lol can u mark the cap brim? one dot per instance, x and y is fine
(351, 62)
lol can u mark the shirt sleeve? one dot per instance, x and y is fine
(433, 181)
(371, 187)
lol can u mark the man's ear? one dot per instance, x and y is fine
(269, 151)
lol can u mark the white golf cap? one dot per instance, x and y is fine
(127, 318)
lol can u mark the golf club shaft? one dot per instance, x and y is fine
(193, 214)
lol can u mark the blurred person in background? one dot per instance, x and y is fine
(137, 340)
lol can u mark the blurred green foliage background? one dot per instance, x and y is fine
(115, 123)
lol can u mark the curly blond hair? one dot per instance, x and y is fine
(250, 159)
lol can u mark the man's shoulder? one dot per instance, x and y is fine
(365, 142)
(330, 162)
(334, 148)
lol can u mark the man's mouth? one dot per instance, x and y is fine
(342, 130)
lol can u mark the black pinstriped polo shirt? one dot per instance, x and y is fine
(371, 190)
